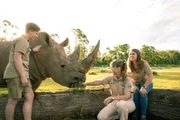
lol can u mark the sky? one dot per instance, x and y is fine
(114, 22)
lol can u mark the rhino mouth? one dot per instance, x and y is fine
(77, 85)
(77, 80)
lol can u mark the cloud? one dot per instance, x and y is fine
(164, 30)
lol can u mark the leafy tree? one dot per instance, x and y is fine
(176, 55)
(123, 51)
(6, 27)
(68, 50)
(81, 42)
(55, 36)
(105, 59)
(149, 53)
(119, 52)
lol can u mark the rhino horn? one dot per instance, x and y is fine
(87, 62)
(75, 55)
(65, 42)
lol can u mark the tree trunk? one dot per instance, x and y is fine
(85, 105)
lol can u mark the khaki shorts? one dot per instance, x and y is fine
(15, 88)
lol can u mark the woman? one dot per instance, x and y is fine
(141, 74)
(120, 103)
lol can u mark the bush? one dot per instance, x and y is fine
(92, 73)
(155, 73)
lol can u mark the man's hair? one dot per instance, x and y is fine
(31, 27)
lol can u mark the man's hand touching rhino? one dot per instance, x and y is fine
(36, 49)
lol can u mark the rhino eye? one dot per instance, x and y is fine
(62, 66)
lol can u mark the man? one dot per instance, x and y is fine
(17, 73)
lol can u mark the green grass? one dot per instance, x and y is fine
(3, 91)
(168, 78)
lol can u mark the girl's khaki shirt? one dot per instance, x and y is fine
(118, 87)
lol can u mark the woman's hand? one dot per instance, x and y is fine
(143, 91)
(135, 88)
(108, 100)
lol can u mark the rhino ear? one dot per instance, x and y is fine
(48, 39)
(65, 42)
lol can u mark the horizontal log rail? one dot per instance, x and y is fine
(85, 105)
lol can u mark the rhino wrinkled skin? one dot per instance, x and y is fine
(51, 61)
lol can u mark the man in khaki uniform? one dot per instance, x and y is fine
(120, 103)
(17, 73)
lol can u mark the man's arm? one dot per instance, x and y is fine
(19, 67)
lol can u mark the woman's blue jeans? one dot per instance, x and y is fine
(141, 102)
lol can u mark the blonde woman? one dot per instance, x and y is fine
(120, 103)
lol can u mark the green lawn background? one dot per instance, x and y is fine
(167, 78)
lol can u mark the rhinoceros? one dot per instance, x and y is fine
(51, 61)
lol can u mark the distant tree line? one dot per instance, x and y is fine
(149, 53)
(153, 56)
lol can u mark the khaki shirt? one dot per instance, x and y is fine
(118, 87)
(142, 76)
(20, 44)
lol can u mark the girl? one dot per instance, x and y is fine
(120, 103)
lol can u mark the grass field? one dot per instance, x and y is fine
(167, 78)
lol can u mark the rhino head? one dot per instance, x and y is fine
(52, 61)
(73, 74)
